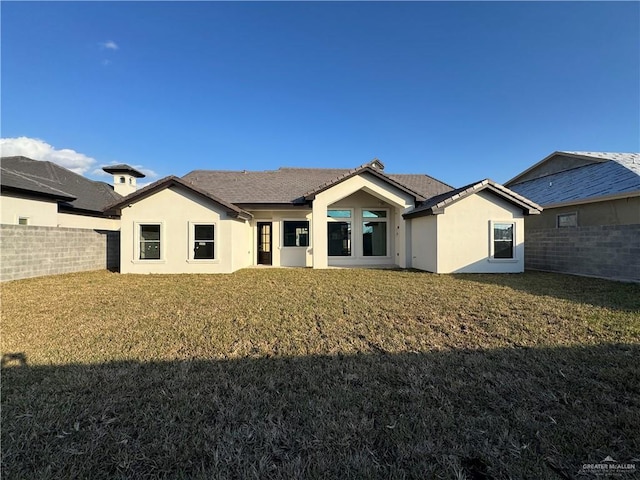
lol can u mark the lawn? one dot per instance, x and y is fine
(294, 373)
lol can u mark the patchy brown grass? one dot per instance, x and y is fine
(318, 374)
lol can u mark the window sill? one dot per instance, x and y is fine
(503, 260)
(207, 261)
(148, 261)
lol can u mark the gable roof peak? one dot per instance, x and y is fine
(376, 163)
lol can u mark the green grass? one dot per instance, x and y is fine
(292, 373)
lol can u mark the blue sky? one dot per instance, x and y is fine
(460, 91)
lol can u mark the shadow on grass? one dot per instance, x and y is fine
(619, 296)
(506, 413)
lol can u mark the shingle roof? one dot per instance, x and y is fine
(607, 155)
(14, 181)
(619, 175)
(290, 185)
(40, 177)
(437, 204)
(171, 181)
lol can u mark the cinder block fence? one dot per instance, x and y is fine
(609, 251)
(30, 251)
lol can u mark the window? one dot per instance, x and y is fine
(23, 221)
(150, 242)
(374, 233)
(503, 240)
(567, 220)
(339, 233)
(339, 213)
(203, 242)
(296, 233)
(122, 180)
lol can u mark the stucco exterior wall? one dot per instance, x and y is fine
(624, 211)
(464, 235)
(69, 220)
(424, 243)
(39, 212)
(377, 188)
(281, 256)
(175, 209)
(241, 250)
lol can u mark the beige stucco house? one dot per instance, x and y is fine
(221, 221)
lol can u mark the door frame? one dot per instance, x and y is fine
(259, 226)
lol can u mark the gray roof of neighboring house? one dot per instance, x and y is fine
(437, 204)
(619, 175)
(46, 178)
(290, 185)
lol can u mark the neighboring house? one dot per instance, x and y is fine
(591, 219)
(53, 221)
(45, 194)
(221, 221)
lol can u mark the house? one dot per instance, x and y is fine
(221, 221)
(53, 221)
(591, 219)
(45, 194)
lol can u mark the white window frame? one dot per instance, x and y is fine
(192, 238)
(136, 242)
(566, 214)
(492, 258)
(376, 219)
(352, 220)
(284, 220)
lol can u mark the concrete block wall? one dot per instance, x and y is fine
(32, 251)
(609, 251)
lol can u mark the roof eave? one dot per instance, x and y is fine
(602, 198)
(26, 191)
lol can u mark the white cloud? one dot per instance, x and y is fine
(109, 45)
(37, 149)
(79, 163)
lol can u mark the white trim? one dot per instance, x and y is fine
(136, 242)
(514, 249)
(191, 238)
(351, 219)
(282, 222)
(386, 219)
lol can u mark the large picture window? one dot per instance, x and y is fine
(374, 233)
(503, 240)
(296, 233)
(339, 233)
(150, 242)
(203, 242)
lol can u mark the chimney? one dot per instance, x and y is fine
(124, 178)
